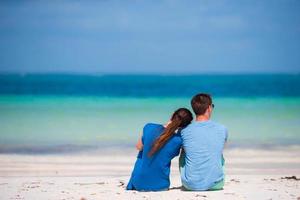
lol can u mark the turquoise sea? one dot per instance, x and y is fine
(57, 113)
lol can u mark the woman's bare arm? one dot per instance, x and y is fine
(139, 145)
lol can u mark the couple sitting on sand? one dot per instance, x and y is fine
(201, 160)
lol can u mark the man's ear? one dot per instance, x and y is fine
(209, 109)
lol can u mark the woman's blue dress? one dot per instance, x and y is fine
(152, 173)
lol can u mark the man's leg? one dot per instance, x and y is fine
(218, 186)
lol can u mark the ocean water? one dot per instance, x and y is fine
(151, 85)
(54, 113)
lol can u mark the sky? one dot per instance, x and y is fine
(108, 36)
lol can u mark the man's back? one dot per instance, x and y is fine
(203, 143)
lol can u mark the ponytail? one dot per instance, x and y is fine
(165, 136)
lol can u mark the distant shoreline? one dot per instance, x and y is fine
(120, 148)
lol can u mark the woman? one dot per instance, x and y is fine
(158, 146)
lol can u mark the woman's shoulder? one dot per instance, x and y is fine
(152, 129)
(152, 125)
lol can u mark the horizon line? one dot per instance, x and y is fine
(144, 73)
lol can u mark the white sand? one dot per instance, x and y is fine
(250, 174)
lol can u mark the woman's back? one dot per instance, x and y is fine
(152, 172)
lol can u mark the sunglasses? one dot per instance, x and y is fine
(213, 105)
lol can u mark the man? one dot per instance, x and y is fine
(201, 161)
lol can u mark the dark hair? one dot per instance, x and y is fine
(180, 119)
(200, 103)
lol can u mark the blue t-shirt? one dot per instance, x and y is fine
(152, 173)
(203, 143)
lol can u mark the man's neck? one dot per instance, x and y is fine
(202, 118)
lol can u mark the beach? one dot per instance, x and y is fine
(81, 82)
(103, 174)
(72, 137)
